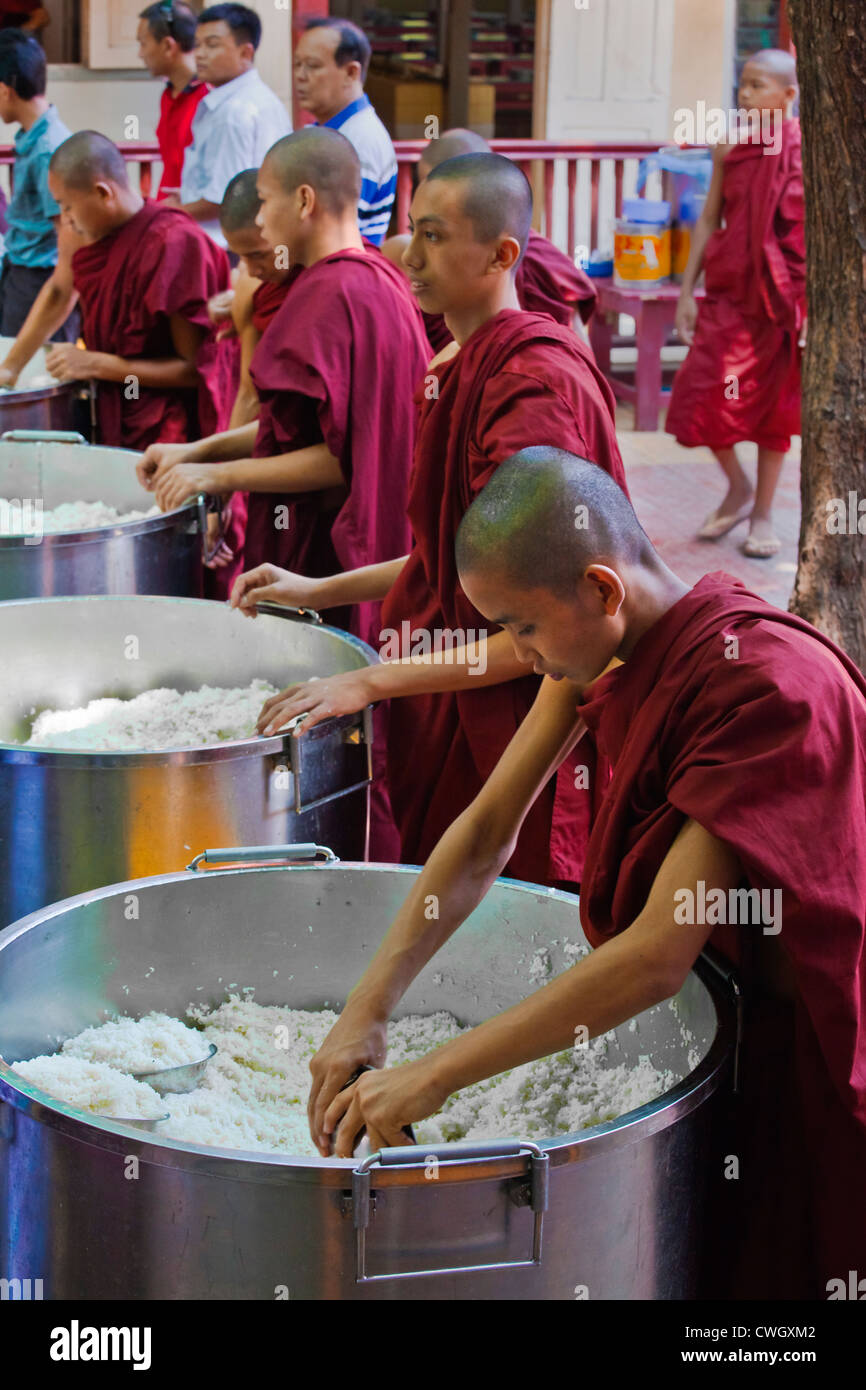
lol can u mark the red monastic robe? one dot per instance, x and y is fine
(338, 364)
(131, 282)
(766, 749)
(547, 283)
(741, 378)
(268, 298)
(519, 380)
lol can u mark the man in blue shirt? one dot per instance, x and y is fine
(32, 215)
(330, 67)
(239, 119)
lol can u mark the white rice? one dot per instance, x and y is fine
(156, 1040)
(254, 1092)
(155, 720)
(92, 1086)
(68, 516)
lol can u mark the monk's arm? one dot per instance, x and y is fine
(201, 210)
(51, 308)
(471, 853)
(246, 406)
(639, 967)
(303, 470)
(163, 373)
(709, 221)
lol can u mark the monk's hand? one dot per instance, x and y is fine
(384, 1102)
(219, 306)
(8, 376)
(67, 362)
(801, 341)
(358, 1038)
(685, 318)
(158, 459)
(172, 488)
(328, 698)
(223, 555)
(270, 584)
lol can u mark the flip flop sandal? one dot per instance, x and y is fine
(717, 526)
(761, 550)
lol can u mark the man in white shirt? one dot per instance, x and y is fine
(239, 119)
(330, 66)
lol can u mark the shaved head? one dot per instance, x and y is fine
(448, 146)
(495, 195)
(241, 202)
(322, 158)
(88, 158)
(777, 63)
(544, 517)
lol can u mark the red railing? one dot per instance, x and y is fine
(577, 185)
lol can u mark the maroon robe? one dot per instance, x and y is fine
(158, 264)
(519, 380)
(767, 751)
(547, 283)
(338, 364)
(741, 378)
(268, 298)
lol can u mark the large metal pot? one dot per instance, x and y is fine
(160, 555)
(624, 1206)
(38, 402)
(73, 821)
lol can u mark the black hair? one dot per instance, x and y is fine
(88, 157)
(22, 64)
(244, 23)
(172, 21)
(354, 46)
(497, 197)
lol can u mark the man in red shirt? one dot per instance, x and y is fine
(166, 39)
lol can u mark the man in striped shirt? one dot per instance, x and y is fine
(330, 67)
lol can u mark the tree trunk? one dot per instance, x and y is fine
(830, 589)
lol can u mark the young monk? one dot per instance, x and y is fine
(508, 376)
(737, 734)
(741, 379)
(548, 282)
(327, 463)
(143, 274)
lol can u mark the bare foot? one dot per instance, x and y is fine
(762, 542)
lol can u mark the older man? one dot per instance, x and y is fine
(331, 62)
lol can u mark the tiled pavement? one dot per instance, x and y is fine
(673, 490)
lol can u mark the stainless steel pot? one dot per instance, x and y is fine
(41, 407)
(610, 1212)
(160, 555)
(73, 821)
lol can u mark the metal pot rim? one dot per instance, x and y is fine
(257, 745)
(631, 1127)
(56, 539)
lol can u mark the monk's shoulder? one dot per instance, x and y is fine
(776, 660)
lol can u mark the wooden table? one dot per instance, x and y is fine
(653, 312)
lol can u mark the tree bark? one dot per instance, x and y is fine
(830, 588)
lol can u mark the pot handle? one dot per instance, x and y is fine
(360, 734)
(299, 615)
(256, 854)
(43, 436)
(534, 1195)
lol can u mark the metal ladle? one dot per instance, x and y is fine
(176, 1080)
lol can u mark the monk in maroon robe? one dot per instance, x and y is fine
(143, 274)
(734, 817)
(548, 281)
(741, 379)
(516, 376)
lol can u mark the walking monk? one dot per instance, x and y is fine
(741, 379)
(548, 282)
(735, 817)
(143, 274)
(508, 377)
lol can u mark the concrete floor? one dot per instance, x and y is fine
(674, 489)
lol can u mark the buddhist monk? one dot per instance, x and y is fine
(741, 379)
(508, 376)
(548, 282)
(327, 462)
(143, 274)
(737, 734)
